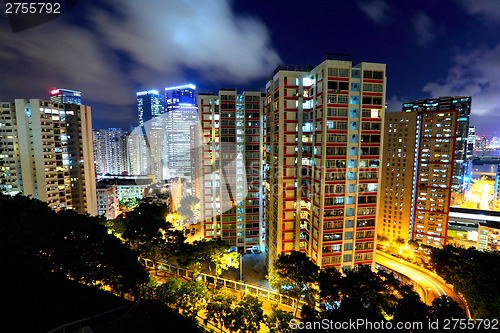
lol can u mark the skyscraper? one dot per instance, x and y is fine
(151, 113)
(180, 95)
(182, 113)
(231, 155)
(66, 96)
(418, 169)
(461, 104)
(49, 145)
(323, 142)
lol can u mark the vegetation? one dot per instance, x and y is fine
(359, 293)
(474, 274)
(294, 275)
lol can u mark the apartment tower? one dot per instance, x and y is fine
(323, 155)
(50, 153)
(418, 173)
(231, 155)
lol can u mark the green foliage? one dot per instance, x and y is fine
(225, 260)
(278, 321)
(444, 307)
(474, 274)
(67, 244)
(219, 309)
(167, 292)
(247, 315)
(148, 232)
(191, 298)
(294, 275)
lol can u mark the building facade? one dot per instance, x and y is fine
(418, 168)
(66, 96)
(323, 141)
(51, 146)
(179, 120)
(231, 156)
(110, 151)
(462, 105)
(107, 201)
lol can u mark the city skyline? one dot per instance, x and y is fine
(431, 50)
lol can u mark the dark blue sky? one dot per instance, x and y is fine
(111, 49)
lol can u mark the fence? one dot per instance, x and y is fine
(244, 287)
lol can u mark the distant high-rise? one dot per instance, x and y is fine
(66, 96)
(110, 151)
(418, 172)
(181, 114)
(151, 113)
(49, 153)
(180, 95)
(149, 105)
(231, 159)
(323, 152)
(179, 120)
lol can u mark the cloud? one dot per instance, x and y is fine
(423, 28)
(490, 9)
(395, 104)
(128, 44)
(475, 74)
(376, 10)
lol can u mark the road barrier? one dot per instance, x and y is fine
(244, 287)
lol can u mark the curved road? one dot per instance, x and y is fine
(432, 285)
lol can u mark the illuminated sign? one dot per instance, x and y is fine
(54, 92)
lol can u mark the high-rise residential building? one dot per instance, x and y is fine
(323, 151)
(179, 120)
(49, 145)
(10, 159)
(151, 113)
(418, 169)
(180, 95)
(66, 96)
(231, 155)
(110, 151)
(461, 104)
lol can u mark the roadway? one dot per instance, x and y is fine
(432, 285)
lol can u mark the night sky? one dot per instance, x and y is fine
(111, 49)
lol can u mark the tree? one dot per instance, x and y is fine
(191, 298)
(410, 307)
(278, 321)
(247, 315)
(168, 292)
(65, 244)
(444, 307)
(294, 275)
(220, 309)
(468, 270)
(148, 232)
(225, 260)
